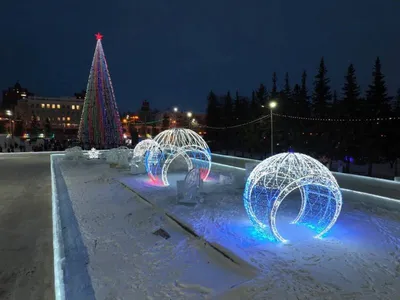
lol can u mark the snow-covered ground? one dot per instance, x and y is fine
(358, 259)
(112, 253)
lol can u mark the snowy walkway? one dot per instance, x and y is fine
(111, 252)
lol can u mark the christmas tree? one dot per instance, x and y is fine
(100, 124)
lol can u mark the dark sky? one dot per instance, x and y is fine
(173, 54)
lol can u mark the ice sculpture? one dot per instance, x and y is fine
(74, 153)
(112, 156)
(174, 143)
(275, 177)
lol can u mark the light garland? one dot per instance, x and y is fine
(93, 153)
(173, 143)
(339, 119)
(236, 126)
(295, 118)
(276, 177)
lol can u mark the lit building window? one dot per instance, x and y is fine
(68, 124)
(63, 118)
(73, 106)
(58, 106)
(53, 106)
(48, 105)
(43, 106)
(58, 119)
(68, 118)
(38, 118)
(77, 107)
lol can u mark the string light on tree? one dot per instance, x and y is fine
(276, 177)
(100, 123)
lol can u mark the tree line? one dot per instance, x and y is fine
(368, 141)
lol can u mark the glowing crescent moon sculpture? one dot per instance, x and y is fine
(275, 177)
(173, 143)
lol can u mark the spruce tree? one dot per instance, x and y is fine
(351, 94)
(396, 108)
(212, 115)
(377, 95)
(261, 95)
(47, 127)
(228, 110)
(34, 126)
(378, 106)
(286, 86)
(322, 91)
(274, 91)
(304, 90)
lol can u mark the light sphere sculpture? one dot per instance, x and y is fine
(140, 150)
(174, 143)
(276, 177)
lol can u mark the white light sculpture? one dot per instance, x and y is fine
(275, 177)
(93, 153)
(140, 150)
(173, 143)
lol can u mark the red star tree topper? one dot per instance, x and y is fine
(98, 36)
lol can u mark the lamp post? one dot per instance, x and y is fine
(174, 121)
(189, 115)
(9, 114)
(272, 105)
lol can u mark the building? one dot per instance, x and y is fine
(63, 114)
(12, 95)
(148, 123)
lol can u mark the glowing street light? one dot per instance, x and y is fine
(9, 114)
(189, 114)
(272, 105)
(175, 109)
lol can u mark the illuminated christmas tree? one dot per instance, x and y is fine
(100, 124)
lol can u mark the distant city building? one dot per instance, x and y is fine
(63, 113)
(12, 95)
(149, 123)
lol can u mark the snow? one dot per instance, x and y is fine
(112, 215)
(111, 253)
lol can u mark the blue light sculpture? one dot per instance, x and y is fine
(276, 177)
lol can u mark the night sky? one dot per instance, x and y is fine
(173, 54)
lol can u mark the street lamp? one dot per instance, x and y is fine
(175, 109)
(189, 114)
(272, 105)
(9, 114)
